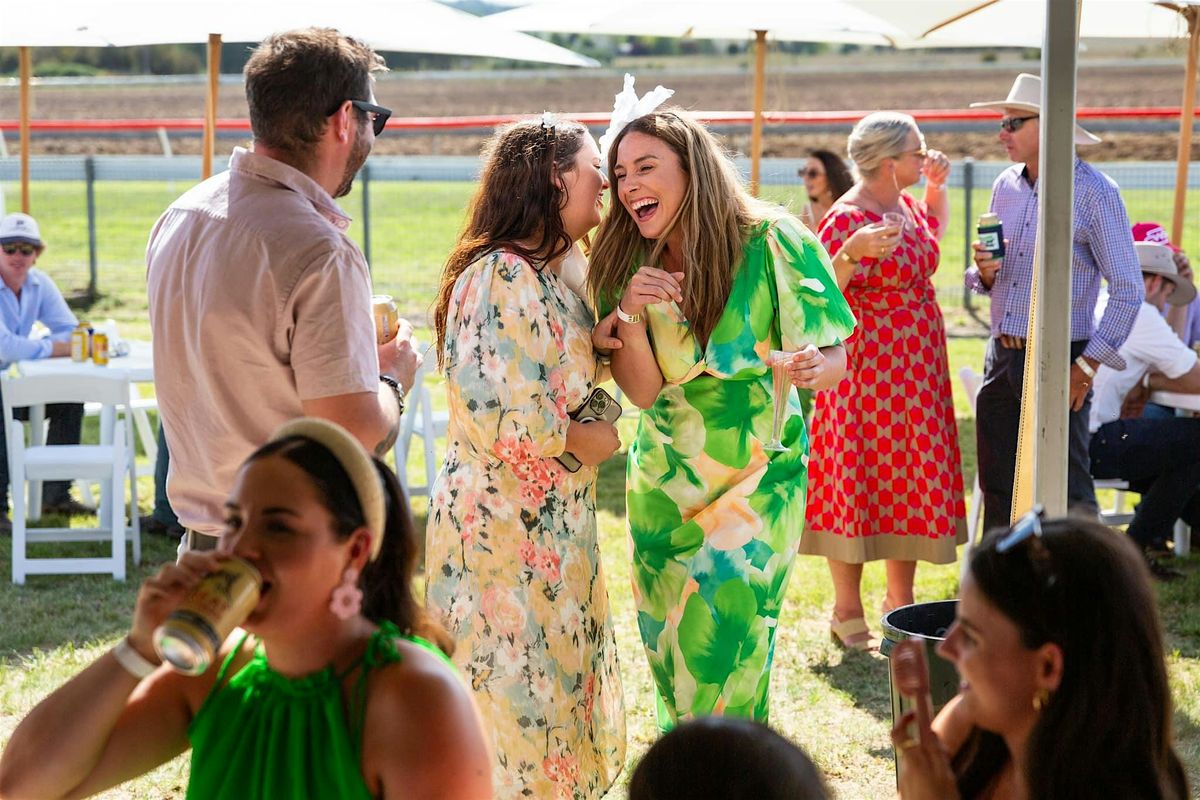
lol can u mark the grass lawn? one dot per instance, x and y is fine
(835, 704)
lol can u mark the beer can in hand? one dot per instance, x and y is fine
(387, 317)
(189, 639)
(991, 234)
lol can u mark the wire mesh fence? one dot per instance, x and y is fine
(97, 212)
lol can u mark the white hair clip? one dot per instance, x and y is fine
(549, 119)
(627, 107)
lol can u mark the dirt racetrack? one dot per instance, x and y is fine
(861, 88)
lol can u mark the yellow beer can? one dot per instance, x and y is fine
(79, 343)
(189, 639)
(387, 317)
(100, 349)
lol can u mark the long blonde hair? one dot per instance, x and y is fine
(716, 217)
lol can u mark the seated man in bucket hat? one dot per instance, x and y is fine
(1185, 319)
(28, 295)
(1103, 248)
(1159, 457)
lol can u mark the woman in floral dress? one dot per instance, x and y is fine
(512, 560)
(886, 477)
(706, 281)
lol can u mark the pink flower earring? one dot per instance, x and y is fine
(347, 597)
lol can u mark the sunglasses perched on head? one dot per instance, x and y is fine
(1029, 528)
(24, 248)
(377, 114)
(1014, 124)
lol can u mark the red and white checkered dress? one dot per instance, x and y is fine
(885, 478)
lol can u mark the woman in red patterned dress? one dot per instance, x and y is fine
(885, 479)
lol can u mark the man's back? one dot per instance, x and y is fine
(257, 302)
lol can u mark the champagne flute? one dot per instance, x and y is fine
(781, 384)
(809, 219)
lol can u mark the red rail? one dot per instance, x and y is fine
(434, 124)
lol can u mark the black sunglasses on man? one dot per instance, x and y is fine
(377, 114)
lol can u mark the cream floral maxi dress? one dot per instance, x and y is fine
(512, 562)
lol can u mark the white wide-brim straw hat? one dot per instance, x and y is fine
(1158, 260)
(1026, 95)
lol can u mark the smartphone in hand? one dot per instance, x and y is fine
(599, 405)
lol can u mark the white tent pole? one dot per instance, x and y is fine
(1187, 112)
(1056, 187)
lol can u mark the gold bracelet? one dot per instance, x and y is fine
(845, 254)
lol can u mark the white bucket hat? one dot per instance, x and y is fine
(1157, 259)
(1026, 95)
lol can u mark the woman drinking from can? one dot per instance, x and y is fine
(329, 691)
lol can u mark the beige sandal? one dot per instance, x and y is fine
(848, 634)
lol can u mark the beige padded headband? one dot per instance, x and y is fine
(354, 459)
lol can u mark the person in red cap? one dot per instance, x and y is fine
(1184, 320)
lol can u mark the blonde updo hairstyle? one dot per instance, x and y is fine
(878, 137)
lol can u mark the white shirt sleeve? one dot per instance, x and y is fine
(1153, 342)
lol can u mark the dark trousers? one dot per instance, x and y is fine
(1160, 458)
(997, 421)
(162, 505)
(66, 424)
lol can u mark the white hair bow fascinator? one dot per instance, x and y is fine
(627, 107)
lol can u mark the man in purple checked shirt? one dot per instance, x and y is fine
(1103, 248)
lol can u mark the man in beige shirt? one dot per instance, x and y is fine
(260, 305)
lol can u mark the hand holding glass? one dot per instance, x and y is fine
(781, 385)
(894, 219)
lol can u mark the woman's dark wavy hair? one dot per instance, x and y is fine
(727, 758)
(837, 174)
(519, 199)
(1107, 730)
(386, 582)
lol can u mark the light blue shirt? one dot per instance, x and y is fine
(40, 300)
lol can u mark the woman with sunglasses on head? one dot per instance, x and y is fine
(826, 178)
(512, 522)
(330, 689)
(1064, 690)
(887, 483)
(706, 282)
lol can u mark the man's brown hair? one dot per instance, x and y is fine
(295, 80)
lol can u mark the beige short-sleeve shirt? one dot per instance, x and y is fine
(258, 301)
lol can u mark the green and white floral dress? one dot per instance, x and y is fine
(714, 519)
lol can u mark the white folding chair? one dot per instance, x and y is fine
(143, 431)
(1117, 515)
(420, 420)
(971, 381)
(110, 462)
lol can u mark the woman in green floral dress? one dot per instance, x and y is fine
(703, 282)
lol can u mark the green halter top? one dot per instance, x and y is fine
(266, 736)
